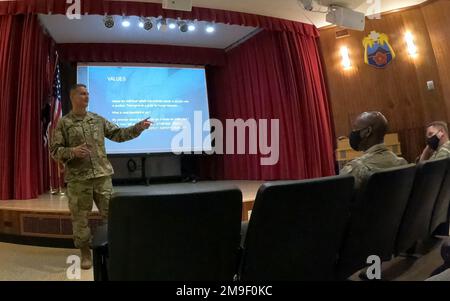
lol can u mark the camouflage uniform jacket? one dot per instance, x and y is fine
(91, 129)
(442, 152)
(376, 158)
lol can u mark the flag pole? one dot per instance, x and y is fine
(52, 191)
(60, 190)
(57, 189)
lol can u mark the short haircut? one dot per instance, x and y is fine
(73, 88)
(439, 124)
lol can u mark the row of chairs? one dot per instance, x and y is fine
(319, 229)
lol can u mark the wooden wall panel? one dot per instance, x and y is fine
(399, 90)
(437, 18)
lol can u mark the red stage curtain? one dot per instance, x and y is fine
(100, 7)
(129, 53)
(24, 55)
(276, 75)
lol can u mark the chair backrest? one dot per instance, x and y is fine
(441, 208)
(415, 224)
(178, 233)
(295, 230)
(375, 218)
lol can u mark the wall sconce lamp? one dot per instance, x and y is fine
(412, 48)
(346, 63)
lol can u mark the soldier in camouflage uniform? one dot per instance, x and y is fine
(438, 147)
(438, 144)
(78, 142)
(368, 134)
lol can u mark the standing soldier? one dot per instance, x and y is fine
(78, 142)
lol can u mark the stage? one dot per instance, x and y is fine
(48, 216)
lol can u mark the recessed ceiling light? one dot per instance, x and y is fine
(126, 22)
(191, 27)
(210, 29)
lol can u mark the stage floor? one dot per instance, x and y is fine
(57, 203)
(48, 216)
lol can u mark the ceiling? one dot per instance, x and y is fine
(91, 30)
(290, 10)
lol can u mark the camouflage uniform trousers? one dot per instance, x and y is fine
(82, 195)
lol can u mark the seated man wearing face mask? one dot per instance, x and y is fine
(438, 144)
(368, 134)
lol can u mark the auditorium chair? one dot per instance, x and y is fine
(295, 230)
(189, 234)
(415, 225)
(440, 217)
(376, 214)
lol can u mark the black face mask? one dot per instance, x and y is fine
(355, 139)
(433, 142)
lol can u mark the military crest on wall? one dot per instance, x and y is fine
(378, 52)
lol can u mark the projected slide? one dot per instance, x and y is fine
(170, 96)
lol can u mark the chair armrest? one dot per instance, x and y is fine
(100, 253)
(100, 239)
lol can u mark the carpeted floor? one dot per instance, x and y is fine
(27, 263)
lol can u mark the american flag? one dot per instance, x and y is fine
(55, 116)
(56, 105)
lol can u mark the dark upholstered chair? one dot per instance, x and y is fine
(415, 225)
(441, 209)
(375, 218)
(296, 230)
(171, 233)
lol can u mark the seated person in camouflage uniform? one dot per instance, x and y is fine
(79, 143)
(438, 147)
(368, 134)
(438, 144)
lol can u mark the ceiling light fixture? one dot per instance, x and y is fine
(147, 23)
(183, 26)
(162, 25)
(108, 21)
(172, 25)
(192, 27)
(210, 28)
(126, 22)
